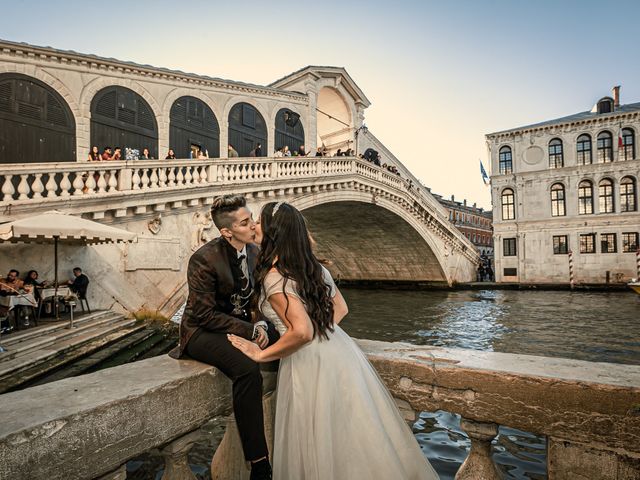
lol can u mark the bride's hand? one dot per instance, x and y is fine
(247, 347)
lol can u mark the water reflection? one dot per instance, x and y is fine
(587, 326)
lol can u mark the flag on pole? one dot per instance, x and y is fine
(620, 141)
(483, 172)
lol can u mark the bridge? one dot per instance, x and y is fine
(371, 223)
(55, 105)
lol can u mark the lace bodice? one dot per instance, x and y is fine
(273, 283)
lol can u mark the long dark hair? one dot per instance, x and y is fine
(287, 247)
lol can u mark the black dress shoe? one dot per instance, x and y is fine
(261, 470)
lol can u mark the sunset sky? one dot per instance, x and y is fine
(440, 75)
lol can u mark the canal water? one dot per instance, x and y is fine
(601, 327)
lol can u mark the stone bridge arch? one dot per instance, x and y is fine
(373, 239)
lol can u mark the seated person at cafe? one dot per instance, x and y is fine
(12, 284)
(32, 279)
(79, 284)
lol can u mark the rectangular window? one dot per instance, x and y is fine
(560, 245)
(510, 272)
(608, 243)
(588, 243)
(630, 242)
(509, 247)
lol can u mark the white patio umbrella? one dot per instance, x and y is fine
(55, 226)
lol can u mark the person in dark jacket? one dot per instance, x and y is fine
(220, 280)
(79, 284)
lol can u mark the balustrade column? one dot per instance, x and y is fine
(176, 462)
(23, 188)
(479, 464)
(7, 189)
(37, 186)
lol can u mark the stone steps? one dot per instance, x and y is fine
(66, 347)
(42, 337)
(25, 377)
(46, 328)
(93, 360)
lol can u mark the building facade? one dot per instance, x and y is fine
(474, 222)
(565, 197)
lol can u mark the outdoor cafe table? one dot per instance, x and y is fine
(51, 292)
(12, 301)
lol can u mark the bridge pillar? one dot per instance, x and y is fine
(479, 464)
(176, 462)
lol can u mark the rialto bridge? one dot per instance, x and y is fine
(371, 224)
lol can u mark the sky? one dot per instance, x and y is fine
(439, 74)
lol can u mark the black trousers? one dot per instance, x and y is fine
(215, 349)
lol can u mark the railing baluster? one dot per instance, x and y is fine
(102, 183)
(135, 180)
(51, 185)
(23, 188)
(37, 186)
(154, 177)
(65, 185)
(7, 189)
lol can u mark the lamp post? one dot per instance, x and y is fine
(363, 128)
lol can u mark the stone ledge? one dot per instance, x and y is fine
(84, 427)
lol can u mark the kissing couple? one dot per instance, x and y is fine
(247, 305)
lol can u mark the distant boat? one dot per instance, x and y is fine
(635, 286)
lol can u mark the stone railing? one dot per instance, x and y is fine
(93, 187)
(87, 427)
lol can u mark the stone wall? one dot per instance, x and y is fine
(83, 427)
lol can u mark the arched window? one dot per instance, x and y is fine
(557, 200)
(628, 150)
(605, 196)
(506, 162)
(605, 147)
(508, 204)
(585, 197)
(555, 153)
(121, 117)
(247, 129)
(289, 130)
(36, 123)
(628, 195)
(193, 126)
(584, 150)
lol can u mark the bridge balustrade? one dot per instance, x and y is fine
(89, 426)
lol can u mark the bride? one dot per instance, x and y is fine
(335, 420)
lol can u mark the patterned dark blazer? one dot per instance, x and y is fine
(213, 276)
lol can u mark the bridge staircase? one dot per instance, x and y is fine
(40, 350)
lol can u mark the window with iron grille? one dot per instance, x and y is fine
(628, 195)
(557, 200)
(560, 245)
(555, 153)
(506, 163)
(585, 198)
(508, 247)
(608, 243)
(605, 195)
(629, 242)
(588, 243)
(583, 148)
(605, 147)
(508, 204)
(628, 150)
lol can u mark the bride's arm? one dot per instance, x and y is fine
(340, 308)
(298, 334)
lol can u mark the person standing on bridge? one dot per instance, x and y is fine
(221, 288)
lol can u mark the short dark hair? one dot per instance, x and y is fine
(77, 269)
(107, 148)
(223, 207)
(14, 270)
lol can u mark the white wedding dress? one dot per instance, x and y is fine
(335, 420)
